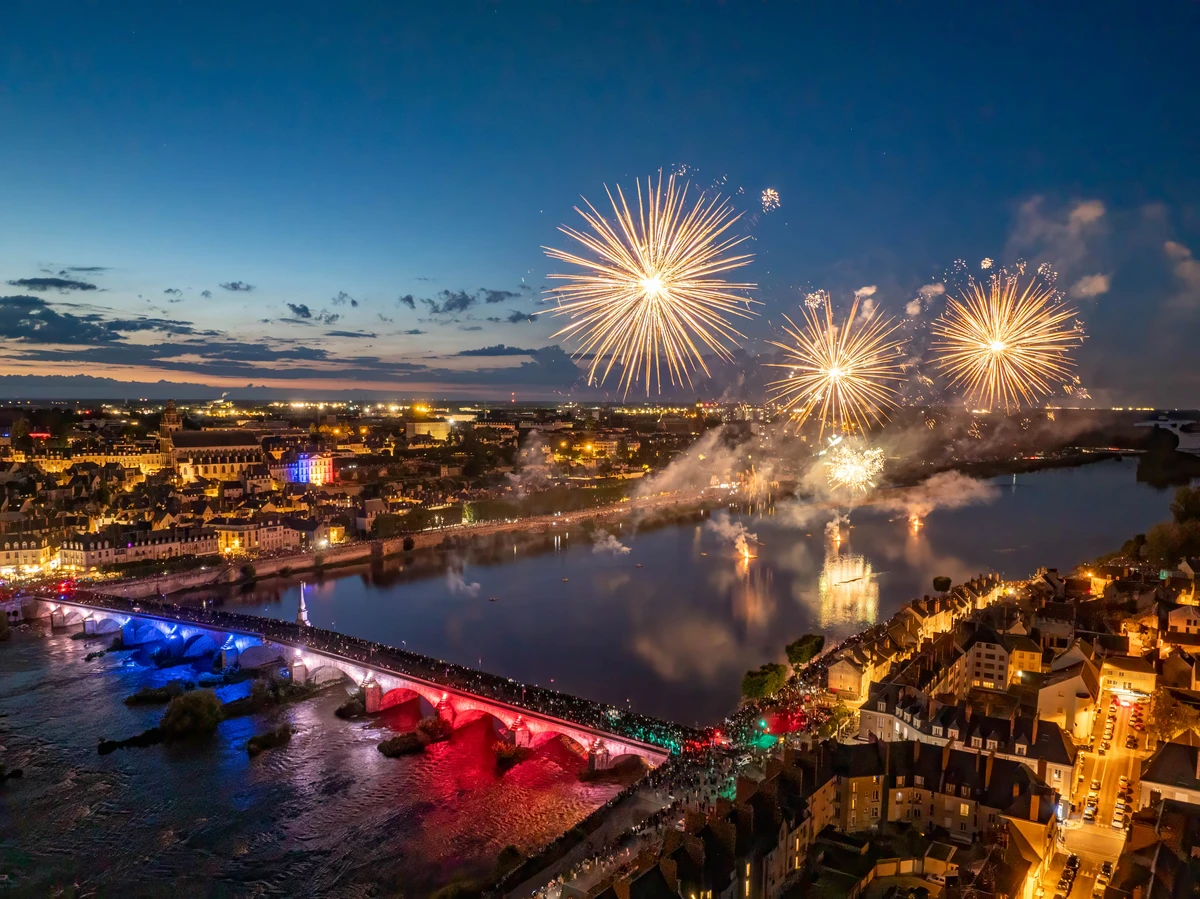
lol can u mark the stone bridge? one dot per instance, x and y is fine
(383, 688)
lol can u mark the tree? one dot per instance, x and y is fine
(1187, 505)
(801, 652)
(409, 543)
(192, 714)
(388, 525)
(1170, 541)
(941, 583)
(1169, 717)
(764, 682)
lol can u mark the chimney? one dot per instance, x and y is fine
(917, 754)
(945, 756)
(1016, 790)
(1033, 731)
(1034, 803)
(987, 775)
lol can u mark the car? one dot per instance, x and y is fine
(1096, 786)
(1101, 751)
(1089, 815)
(1106, 871)
(1073, 862)
(1122, 780)
(1105, 746)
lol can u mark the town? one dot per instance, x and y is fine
(1019, 740)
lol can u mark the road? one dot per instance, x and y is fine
(1097, 842)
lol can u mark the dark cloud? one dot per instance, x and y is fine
(86, 268)
(300, 310)
(175, 293)
(343, 298)
(383, 318)
(424, 279)
(350, 334)
(497, 350)
(32, 320)
(207, 294)
(525, 288)
(451, 302)
(413, 332)
(516, 317)
(407, 300)
(470, 327)
(62, 285)
(238, 286)
(499, 296)
(328, 318)
(494, 319)
(165, 325)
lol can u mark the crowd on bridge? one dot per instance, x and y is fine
(576, 710)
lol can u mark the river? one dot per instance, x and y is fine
(666, 621)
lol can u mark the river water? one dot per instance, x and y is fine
(669, 623)
(327, 815)
(668, 626)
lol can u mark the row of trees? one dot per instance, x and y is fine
(1168, 542)
(767, 680)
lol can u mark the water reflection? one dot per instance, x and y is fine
(847, 591)
(673, 624)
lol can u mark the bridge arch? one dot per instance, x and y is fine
(428, 699)
(327, 674)
(199, 645)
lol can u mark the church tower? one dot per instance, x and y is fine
(302, 612)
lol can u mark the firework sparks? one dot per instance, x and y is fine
(853, 468)
(1006, 341)
(842, 373)
(770, 199)
(987, 262)
(816, 299)
(648, 296)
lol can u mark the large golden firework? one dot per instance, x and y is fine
(648, 295)
(1005, 341)
(843, 373)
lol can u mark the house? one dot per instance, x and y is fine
(1127, 674)
(1068, 695)
(114, 546)
(1172, 772)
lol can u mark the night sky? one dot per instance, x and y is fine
(318, 197)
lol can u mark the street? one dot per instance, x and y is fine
(1097, 841)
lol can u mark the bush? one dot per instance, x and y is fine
(942, 583)
(248, 572)
(434, 729)
(5, 630)
(192, 714)
(409, 543)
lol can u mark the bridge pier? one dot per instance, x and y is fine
(445, 710)
(58, 619)
(599, 757)
(372, 696)
(298, 672)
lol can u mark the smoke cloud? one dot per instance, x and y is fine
(731, 531)
(945, 490)
(607, 543)
(458, 585)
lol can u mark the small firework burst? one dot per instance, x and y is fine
(816, 299)
(770, 199)
(987, 263)
(852, 467)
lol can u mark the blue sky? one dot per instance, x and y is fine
(390, 150)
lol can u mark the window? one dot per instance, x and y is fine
(919, 780)
(965, 791)
(899, 797)
(937, 729)
(976, 742)
(991, 744)
(874, 811)
(882, 706)
(900, 781)
(962, 827)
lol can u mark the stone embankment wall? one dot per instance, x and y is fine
(222, 572)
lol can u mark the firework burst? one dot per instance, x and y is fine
(770, 199)
(1006, 341)
(841, 373)
(853, 468)
(648, 293)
